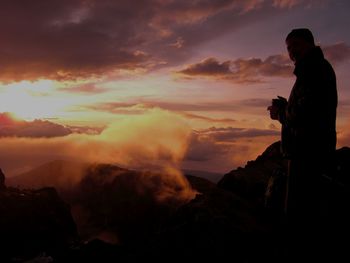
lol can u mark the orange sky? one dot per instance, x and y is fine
(181, 82)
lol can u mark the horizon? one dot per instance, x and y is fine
(155, 83)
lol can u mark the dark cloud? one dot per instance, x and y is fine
(61, 39)
(72, 39)
(208, 67)
(254, 69)
(337, 53)
(241, 70)
(11, 127)
(200, 117)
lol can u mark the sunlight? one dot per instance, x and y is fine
(32, 100)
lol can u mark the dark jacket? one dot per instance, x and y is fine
(309, 120)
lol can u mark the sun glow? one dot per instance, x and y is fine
(32, 100)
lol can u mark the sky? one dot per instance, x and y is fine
(149, 83)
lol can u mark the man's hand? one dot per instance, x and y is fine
(278, 106)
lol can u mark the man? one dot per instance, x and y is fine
(2, 180)
(308, 121)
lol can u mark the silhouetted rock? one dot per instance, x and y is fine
(111, 203)
(251, 181)
(217, 225)
(95, 251)
(33, 221)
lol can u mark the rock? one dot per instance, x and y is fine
(34, 221)
(251, 181)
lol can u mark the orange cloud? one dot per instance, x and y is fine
(155, 139)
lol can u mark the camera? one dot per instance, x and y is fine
(280, 102)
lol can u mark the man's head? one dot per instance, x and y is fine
(299, 41)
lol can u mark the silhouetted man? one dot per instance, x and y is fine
(308, 121)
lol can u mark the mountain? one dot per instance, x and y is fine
(128, 215)
(211, 176)
(59, 174)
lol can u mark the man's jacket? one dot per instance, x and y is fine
(309, 120)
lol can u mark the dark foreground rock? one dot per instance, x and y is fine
(33, 222)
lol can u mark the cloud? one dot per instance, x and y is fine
(85, 129)
(343, 135)
(292, 3)
(286, 3)
(337, 53)
(230, 134)
(224, 149)
(128, 108)
(253, 105)
(136, 141)
(208, 67)
(64, 39)
(253, 70)
(208, 119)
(156, 141)
(241, 70)
(89, 88)
(12, 127)
(152, 140)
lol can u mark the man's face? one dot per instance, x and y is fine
(297, 48)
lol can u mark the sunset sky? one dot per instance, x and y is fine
(144, 83)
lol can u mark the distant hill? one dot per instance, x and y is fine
(213, 177)
(58, 174)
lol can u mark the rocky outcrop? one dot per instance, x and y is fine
(251, 181)
(33, 222)
(216, 225)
